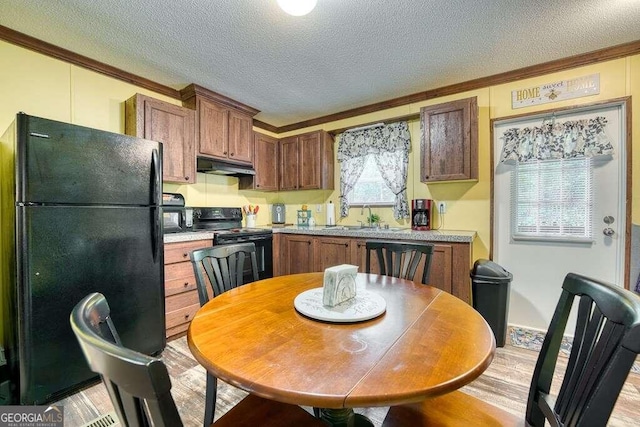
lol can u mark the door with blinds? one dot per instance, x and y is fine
(559, 203)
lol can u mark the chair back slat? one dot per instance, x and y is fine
(135, 382)
(400, 259)
(587, 327)
(222, 268)
(584, 310)
(133, 409)
(226, 275)
(212, 269)
(605, 345)
(595, 366)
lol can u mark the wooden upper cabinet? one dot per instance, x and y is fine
(213, 129)
(309, 168)
(265, 161)
(449, 146)
(289, 163)
(170, 124)
(241, 137)
(224, 127)
(306, 162)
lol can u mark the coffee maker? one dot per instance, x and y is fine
(421, 214)
(278, 213)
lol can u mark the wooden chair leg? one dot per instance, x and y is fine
(210, 400)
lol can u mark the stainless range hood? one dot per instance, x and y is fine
(218, 167)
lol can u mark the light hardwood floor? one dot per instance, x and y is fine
(504, 384)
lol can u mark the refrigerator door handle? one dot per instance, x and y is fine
(156, 232)
(155, 179)
(156, 202)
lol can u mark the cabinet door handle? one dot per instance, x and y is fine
(186, 178)
(184, 255)
(186, 317)
(186, 284)
(346, 245)
(258, 185)
(232, 154)
(224, 152)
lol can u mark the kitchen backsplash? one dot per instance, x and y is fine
(219, 190)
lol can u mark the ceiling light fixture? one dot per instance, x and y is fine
(297, 7)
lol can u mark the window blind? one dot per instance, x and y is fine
(552, 200)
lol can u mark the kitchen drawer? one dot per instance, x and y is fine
(182, 284)
(183, 315)
(178, 271)
(178, 252)
(180, 301)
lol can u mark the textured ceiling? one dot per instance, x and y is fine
(343, 55)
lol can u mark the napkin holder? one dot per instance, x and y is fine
(339, 284)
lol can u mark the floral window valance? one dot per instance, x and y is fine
(385, 138)
(570, 139)
(390, 144)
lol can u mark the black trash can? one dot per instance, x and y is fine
(490, 284)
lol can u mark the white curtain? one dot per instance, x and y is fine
(390, 146)
(350, 171)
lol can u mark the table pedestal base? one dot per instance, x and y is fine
(344, 417)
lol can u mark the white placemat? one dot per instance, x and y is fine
(366, 305)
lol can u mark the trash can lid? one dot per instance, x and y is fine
(484, 269)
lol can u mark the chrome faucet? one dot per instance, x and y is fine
(362, 212)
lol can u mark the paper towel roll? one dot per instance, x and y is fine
(331, 214)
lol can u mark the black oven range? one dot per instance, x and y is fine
(226, 223)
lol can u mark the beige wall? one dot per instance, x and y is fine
(46, 87)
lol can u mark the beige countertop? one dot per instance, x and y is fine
(188, 236)
(461, 236)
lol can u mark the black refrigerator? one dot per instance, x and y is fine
(80, 213)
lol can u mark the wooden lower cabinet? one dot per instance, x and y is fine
(450, 264)
(181, 295)
(297, 254)
(359, 254)
(330, 251)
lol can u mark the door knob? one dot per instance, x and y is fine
(608, 232)
(608, 219)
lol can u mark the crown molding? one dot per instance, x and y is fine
(601, 55)
(39, 46)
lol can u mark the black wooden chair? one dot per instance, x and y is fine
(605, 345)
(139, 385)
(221, 268)
(400, 259)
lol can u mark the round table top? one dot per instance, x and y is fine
(427, 343)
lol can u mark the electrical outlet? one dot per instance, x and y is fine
(442, 207)
(318, 208)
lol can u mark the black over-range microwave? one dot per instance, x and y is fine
(176, 217)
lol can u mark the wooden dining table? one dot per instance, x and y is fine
(426, 343)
